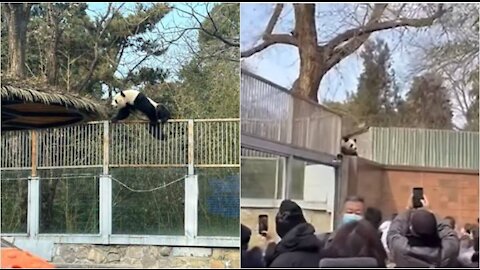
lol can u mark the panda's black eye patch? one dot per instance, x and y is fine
(116, 101)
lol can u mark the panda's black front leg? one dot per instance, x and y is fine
(163, 113)
(122, 114)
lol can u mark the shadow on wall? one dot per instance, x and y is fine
(450, 191)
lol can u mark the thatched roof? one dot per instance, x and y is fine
(35, 105)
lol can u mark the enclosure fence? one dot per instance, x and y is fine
(270, 111)
(283, 137)
(104, 183)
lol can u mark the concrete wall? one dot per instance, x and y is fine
(320, 220)
(145, 256)
(450, 192)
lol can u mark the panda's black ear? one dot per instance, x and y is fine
(122, 94)
(345, 139)
(355, 140)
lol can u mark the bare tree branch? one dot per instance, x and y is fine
(270, 39)
(370, 28)
(336, 54)
(273, 20)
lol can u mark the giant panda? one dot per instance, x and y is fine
(132, 100)
(348, 147)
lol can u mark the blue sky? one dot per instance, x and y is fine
(280, 63)
(178, 53)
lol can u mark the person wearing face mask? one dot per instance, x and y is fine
(353, 210)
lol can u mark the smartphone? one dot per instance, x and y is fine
(417, 197)
(262, 224)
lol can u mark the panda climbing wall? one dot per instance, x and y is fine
(348, 147)
(131, 100)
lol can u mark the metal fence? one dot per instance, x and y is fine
(270, 111)
(116, 184)
(421, 147)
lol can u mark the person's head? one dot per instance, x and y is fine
(289, 215)
(475, 234)
(374, 216)
(353, 209)
(468, 228)
(245, 236)
(423, 228)
(356, 239)
(450, 221)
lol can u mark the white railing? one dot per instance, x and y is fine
(103, 146)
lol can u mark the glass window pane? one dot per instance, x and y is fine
(262, 175)
(14, 194)
(69, 200)
(219, 202)
(159, 212)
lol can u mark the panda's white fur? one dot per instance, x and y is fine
(119, 101)
(348, 146)
(130, 101)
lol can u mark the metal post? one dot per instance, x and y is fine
(337, 202)
(288, 177)
(191, 206)
(105, 189)
(34, 153)
(106, 143)
(105, 197)
(33, 207)
(191, 189)
(190, 148)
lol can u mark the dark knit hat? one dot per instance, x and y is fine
(245, 235)
(424, 223)
(289, 215)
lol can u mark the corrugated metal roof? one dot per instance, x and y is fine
(424, 147)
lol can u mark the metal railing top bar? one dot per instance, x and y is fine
(172, 120)
(269, 146)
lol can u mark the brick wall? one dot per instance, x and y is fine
(450, 192)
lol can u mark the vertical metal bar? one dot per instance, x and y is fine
(290, 118)
(33, 206)
(105, 197)
(210, 148)
(190, 148)
(191, 206)
(276, 179)
(228, 140)
(106, 141)
(176, 143)
(218, 145)
(34, 153)
(288, 177)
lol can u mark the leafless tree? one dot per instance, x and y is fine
(317, 57)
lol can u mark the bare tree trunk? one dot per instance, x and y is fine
(17, 17)
(53, 20)
(310, 59)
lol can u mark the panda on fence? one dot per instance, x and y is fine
(132, 100)
(348, 147)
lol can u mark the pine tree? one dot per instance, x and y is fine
(428, 104)
(373, 101)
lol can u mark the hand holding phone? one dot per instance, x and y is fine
(417, 198)
(263, 224)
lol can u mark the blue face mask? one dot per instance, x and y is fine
(347, 218)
